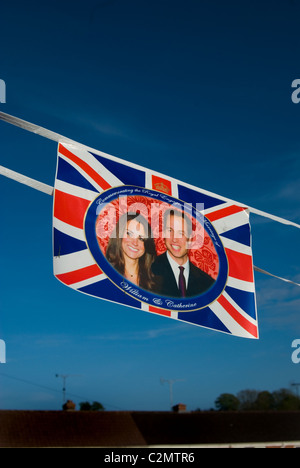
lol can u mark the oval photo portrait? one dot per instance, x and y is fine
(156, 248)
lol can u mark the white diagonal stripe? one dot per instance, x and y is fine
(236, 246)
(72, 231)
(215, 208)
(230, 222)
(88, 282)
(239, 309)
(84, 174)
(240, 284)
(228, 321)
(74, 190)
(94, 164)
(73, 261)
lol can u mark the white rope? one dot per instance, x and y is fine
(274, 276)
(38, 130)
(34, 128)
(35, 184)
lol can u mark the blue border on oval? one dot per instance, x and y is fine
(141, 295)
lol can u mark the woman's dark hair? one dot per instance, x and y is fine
(114, 251)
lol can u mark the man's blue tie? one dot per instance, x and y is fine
(181, 283)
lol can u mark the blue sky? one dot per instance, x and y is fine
(199, 90)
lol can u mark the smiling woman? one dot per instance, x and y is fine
(131, 250)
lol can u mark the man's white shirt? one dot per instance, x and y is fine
(176, 271)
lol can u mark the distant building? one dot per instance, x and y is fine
(180, 408)
(69, 406)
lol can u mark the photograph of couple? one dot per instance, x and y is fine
(162, 264)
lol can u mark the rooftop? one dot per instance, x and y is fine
(143, 429)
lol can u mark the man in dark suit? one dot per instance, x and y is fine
(177, 276)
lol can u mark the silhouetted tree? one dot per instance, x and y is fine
(227, 402)
(85, 406)
(95, 406)
(265, 401)
(253, 400)
(286, 400)
(247, 399)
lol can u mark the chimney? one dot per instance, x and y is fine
(180, 408)
(69, 406)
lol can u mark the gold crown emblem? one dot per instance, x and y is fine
(162, 187)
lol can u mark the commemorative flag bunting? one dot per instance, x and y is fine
(120, 231)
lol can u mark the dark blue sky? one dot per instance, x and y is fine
(199, 90)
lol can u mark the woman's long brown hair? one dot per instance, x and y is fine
(114, 251)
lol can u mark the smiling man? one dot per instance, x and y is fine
(178, 276)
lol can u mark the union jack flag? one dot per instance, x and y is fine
(86, 181)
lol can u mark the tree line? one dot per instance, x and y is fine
(245, 400)
(87, 406)
(254, 400)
